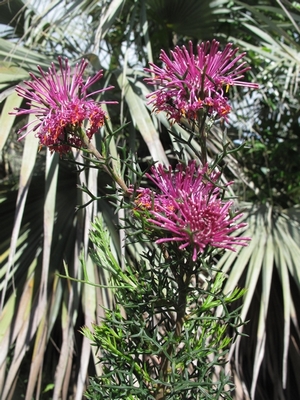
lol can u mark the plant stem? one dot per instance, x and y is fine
(202, 132)
(183, 281)
(92, 149)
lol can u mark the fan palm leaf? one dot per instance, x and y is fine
(266, 361)
(273, 251)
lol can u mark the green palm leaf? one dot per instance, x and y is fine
(273, 251)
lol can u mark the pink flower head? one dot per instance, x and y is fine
(61, 103)
(188, 83)
(189, 210)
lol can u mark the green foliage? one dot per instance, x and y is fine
(139, 335)
(271, 36)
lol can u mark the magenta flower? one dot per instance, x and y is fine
(189, 210)
(188, 83)
(61, 103)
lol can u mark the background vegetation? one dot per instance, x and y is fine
(42, 353)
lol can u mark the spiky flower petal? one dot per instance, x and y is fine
(188, 209)
(61, 103)
(188, 83)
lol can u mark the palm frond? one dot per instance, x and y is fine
(273, 28)
(271, 257)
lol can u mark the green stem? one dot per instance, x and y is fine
(183, 285)
(202, 133)
(92, 149)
